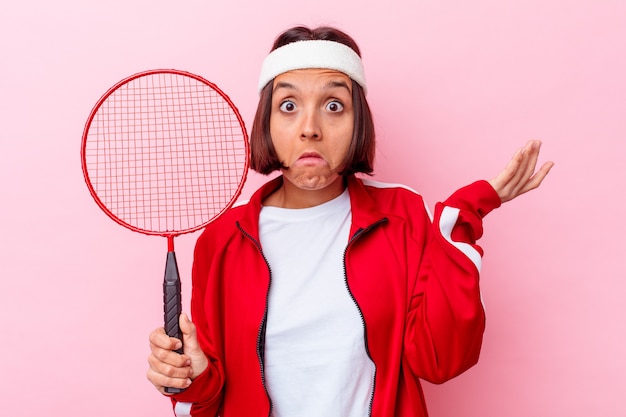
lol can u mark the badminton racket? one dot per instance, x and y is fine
(165, 152)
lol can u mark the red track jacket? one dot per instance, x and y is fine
(415, 282)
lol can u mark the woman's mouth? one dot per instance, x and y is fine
(310, 159)
(307, 155)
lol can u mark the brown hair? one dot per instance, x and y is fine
(360, 157)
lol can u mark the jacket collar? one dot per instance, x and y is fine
(248, 218)
(364, 210)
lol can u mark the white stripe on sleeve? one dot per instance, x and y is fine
(449, 217)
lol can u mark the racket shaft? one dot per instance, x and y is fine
(172, 304)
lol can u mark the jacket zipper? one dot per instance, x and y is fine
(261, 333)
(354, 237)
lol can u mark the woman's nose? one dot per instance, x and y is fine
(310, 126)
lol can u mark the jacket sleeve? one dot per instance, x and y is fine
(445, 319)
(203, 397)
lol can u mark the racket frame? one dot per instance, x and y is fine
(83, 157)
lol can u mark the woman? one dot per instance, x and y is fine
(327, 294)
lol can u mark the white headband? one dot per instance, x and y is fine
(312, 54)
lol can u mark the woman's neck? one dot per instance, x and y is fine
(290, 196)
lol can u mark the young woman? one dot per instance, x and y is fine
(328, 294)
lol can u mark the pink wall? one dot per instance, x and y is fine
(456, 87)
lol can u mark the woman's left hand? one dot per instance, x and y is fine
(519, 176)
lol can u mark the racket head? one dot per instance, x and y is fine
(164, 152)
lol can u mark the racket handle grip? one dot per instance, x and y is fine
(172, 305)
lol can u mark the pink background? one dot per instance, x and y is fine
(456, 87)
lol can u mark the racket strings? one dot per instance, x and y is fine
(166, 153)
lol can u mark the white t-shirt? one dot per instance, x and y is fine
(315, 358)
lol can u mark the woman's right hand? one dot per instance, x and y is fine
(169, 368)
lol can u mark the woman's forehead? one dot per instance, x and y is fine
(320, 76)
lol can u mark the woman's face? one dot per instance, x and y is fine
(311, 125)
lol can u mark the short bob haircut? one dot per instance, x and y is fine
(360, 157)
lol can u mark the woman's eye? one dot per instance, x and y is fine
(334, 106)
(287, 106)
